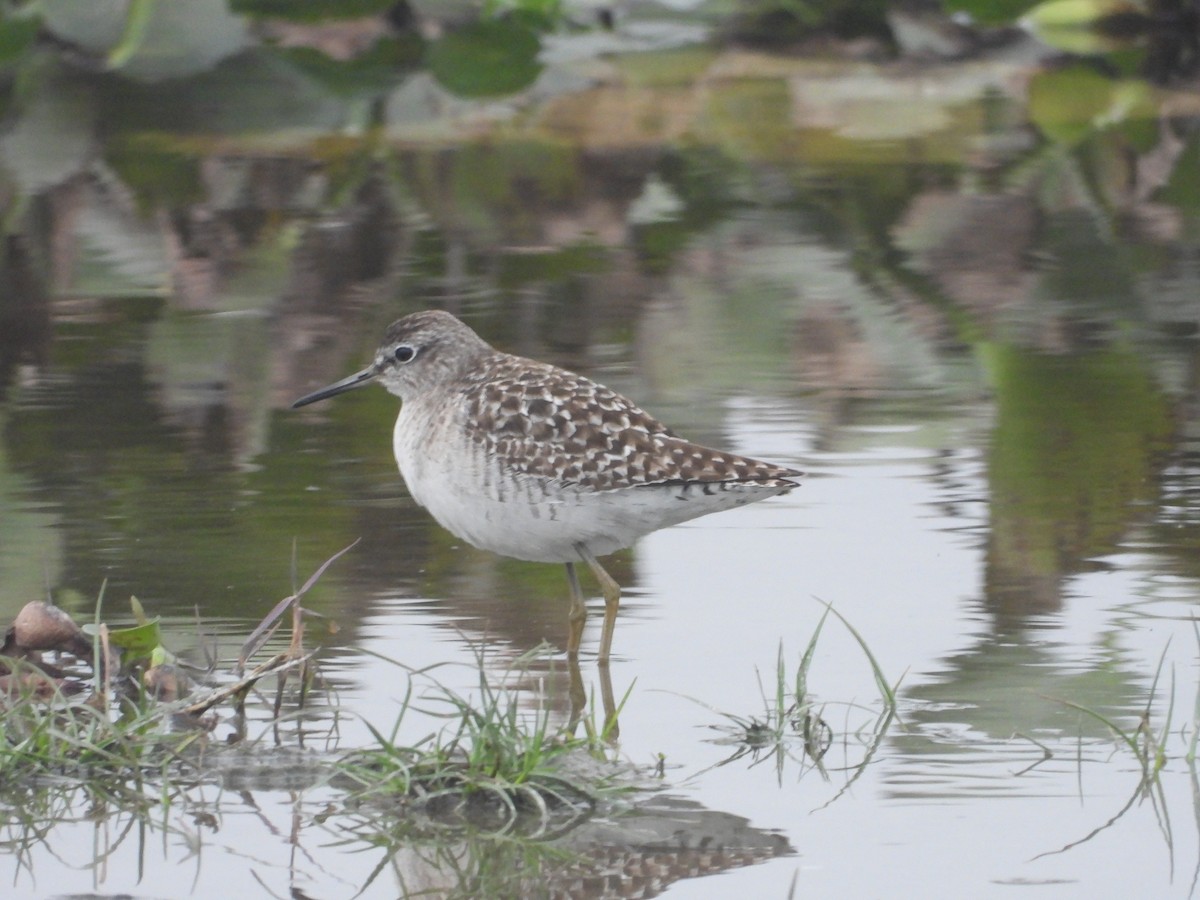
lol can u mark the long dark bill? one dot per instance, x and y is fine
(358, 379)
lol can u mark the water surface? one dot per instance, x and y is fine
(960, 301)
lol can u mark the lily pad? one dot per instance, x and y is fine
(488, 59)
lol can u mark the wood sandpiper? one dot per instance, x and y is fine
(531, 461)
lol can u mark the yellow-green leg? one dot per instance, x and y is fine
(612, 601)
(578, 614)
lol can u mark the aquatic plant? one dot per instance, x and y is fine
(496, 765)
(793, 715)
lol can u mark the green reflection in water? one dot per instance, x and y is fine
(752, 119)
(1069, 105)
(1182, 190)
(498, 191)
(486, 59)
(310, 10)
(1075, 457)
(141, 474)
(31, 550)
(1011, 685)
(159, 177)
(991, 12)
(378, 69)
(16, 37)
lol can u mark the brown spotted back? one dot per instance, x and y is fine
(544, 421)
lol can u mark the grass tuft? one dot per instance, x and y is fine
(1150, 747)
(496, 766)
(113, 729)
(793, 717)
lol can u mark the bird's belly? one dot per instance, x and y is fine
(539, 519)
(522, 527)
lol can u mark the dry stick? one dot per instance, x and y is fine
(267, 626)
(279, 663)
(295, 650)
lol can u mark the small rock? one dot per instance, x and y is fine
(43, 626)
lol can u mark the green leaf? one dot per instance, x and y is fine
(139, 640)
(486, 60)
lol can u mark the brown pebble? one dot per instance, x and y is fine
(43, 626)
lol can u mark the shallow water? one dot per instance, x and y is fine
(973, 325)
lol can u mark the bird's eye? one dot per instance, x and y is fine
(404, 353)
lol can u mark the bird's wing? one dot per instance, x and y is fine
(543, 421)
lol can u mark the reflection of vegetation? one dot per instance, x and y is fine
(495, 192)
(1077, 444)
(30, 811)
(1182, 190)
(752, 119)
(780, 21)
(1003, 685)
(159, 177)
(1072, 103)
(487, 59)
(311, 10)
(1159, 38)
(535, 13)
(703, 181)
(369, 73)
(1089, 290)
(16, 37)
(124, 454)
(990, 12)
